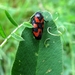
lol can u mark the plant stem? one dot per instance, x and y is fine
(2, 44)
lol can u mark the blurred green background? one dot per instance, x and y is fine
(22, 10)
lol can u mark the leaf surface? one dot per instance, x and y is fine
(11, 18)
(17, 37)
(39, 57)
(2, 33)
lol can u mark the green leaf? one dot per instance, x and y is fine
(27, 24)
(39, 57)
(47, 16)
(2, 33)
(10, 18)
(17, 37)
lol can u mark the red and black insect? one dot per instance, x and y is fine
(38, 24)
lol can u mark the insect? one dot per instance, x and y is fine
(38, 24)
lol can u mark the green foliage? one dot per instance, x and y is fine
(17, 37)
(10, 18)
(42, 57)
(2, 33)
(63, 12)
(27, 24)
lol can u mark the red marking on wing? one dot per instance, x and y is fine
(37, 33)
(36, 19)
(35, 25)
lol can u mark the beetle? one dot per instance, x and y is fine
(37, 21)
